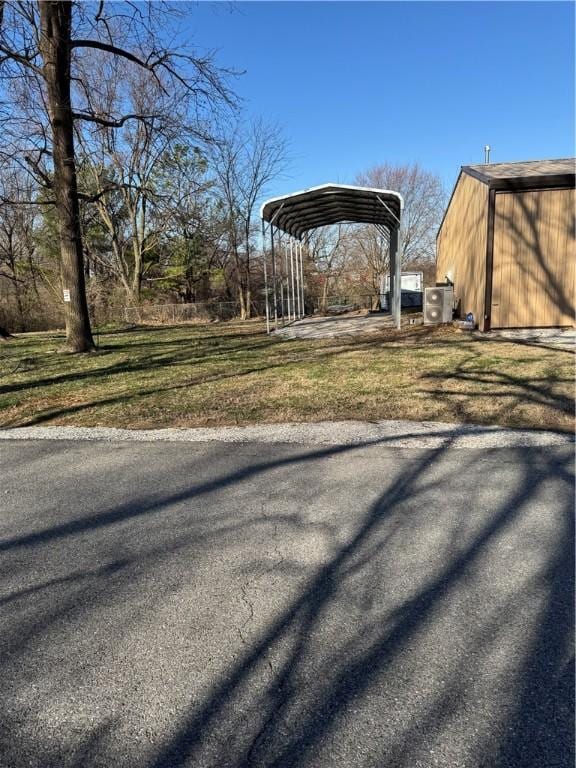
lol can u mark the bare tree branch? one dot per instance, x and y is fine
(149, 63)
(113, 123)
(26, 61)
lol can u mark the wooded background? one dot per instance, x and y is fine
(130, 175)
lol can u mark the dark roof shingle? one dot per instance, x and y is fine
(523, 170)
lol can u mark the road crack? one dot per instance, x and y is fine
(251, 582)
(276, 688)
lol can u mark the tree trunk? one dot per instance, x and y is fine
(242, 300)
(136, 289)
(378, 286)
(137, 252)
(11, 260)
(56, 18)
(324, 299)
(247, 284)
(248, 303)
(19, 306)
(33, 274)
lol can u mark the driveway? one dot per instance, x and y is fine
(255, 604)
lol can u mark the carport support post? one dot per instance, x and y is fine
(292, 278)
(287, 281)
(302, 283)
(281, 278)
(297, 278)
(395, 276)
(274, 289)
(265, 276)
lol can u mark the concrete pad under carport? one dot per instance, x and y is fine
(343, 325)
(347, 325)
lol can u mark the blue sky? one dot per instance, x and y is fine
(359, 83)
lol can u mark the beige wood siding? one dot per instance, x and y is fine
(534, 259)
(461, 246)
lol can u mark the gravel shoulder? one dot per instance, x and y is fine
(393, 433)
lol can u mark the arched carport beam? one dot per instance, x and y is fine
(300, 212)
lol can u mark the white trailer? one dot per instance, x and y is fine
(411, 286)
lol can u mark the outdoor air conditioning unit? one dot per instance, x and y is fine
(438, 304)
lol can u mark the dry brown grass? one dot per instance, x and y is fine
(208, 375)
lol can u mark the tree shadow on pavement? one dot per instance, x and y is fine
(433, 630)
(299, 710)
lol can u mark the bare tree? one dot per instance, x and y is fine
(140, 174)
(424, 203)
(190, 220)
(41, 46)
(19, 268)
(245, 161)
(328, 248)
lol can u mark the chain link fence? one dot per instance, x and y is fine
(209, 311)
(355, 301)
(197, 312)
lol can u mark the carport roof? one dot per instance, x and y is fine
(327, 204)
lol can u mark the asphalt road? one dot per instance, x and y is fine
(249, 605)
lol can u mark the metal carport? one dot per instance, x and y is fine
(297, 214)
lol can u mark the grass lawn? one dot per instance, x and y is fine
(232, 373)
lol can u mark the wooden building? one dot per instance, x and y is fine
(507, 243)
